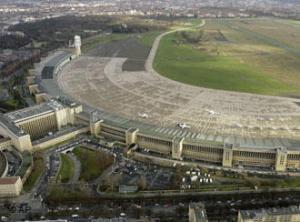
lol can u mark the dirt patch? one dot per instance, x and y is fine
(213, 35)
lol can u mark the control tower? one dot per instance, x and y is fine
(77, 45)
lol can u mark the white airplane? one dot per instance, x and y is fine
(238, 125)
(212, 112)
(183, 125)
(143, 115)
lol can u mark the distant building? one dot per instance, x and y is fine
(289, 214)
(197, 213)
(10, 186)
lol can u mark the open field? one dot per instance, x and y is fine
(148, 38)
(256, 56)
(92, 162)
(66, 170)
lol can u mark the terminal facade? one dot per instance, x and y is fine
(21, 128)
(212, 153)
(24, 128)
(10, 186)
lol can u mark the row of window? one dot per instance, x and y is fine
(40, 127)
(113, 136)
(154, 141)
(202, 149)
(254, 154)
(202, 156)
(113, 131)
(293, 156)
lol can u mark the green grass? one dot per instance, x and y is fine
(184, 63)
(11, 104)
(291, 182)
(244, 63)
(148, 38)
(66, 171)
(93, 163)
(59, 194)
(38, 168)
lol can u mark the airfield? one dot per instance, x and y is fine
(214, 115)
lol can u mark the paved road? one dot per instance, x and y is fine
(77, 168)
(151, 57)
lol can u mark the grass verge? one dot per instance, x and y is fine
(38, 168)
(148, 38)
(93, 163)
(66, 171)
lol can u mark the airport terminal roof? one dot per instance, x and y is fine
(10, 125)
(161, 132)
(56, 60)
(48, 70)
(29, 112)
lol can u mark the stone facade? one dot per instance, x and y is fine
(10, 186)
(225, 155)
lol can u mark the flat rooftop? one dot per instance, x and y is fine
(29, 112)
(8, 180)
(10, 125)
(57, 59)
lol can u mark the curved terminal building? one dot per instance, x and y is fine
(175, 122)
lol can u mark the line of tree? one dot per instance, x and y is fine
(13, 41)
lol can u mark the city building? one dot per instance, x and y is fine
(24, 126)
(10, 186)
(289, 214)
(197, 212)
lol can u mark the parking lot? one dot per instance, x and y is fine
(144, 176)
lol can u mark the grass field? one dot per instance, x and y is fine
(256, 56)
(38, 167)
(92, 162)
(148, 38)
(59, 194)
(66, 170)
